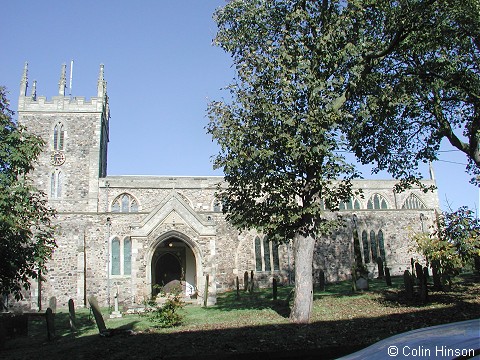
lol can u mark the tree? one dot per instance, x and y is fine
(453, 243)
(279, 134)
(419, 83)
(26, 233)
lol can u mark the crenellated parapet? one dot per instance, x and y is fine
(61, 102)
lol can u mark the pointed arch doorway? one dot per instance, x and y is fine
(174, 263)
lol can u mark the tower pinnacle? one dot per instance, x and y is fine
(62, 84)
(34, 90)
(430, 169)
(24, 81)
(101, 84)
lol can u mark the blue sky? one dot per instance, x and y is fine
(162, 71)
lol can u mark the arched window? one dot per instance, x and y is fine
(115, 256)
(276, 259)
(366, 252)
(127, 256)
(377, 202)
(121, 256)
(258, 254)
(413, 202)
(53, 185)
(266, 254)
(373, 245)
(125, 203)
(56, 184)
(352, 204)
(58, 137)
(381, 245)
(59, 184)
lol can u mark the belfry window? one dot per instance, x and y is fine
(56, 184)
(125, 203)
(58, 137)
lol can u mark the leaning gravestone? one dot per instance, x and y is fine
(71, 313)
(52, 304)
(102, 329)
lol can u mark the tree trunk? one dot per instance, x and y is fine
(303, 256)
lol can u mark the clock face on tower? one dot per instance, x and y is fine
(57, 158)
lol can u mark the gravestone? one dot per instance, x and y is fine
(437, 283)
(418, 273)
(423, 291)
(381, 274)
(116, 313)
(321, 280)
(388, 279)
(424, 286)
(237, 283)
(245, 281)
(426, 275)
(354, 279)
(102, 329)
(3, 333)
(172, 287)
(251, 282)
(408, 283)
(71, 314)
(361, 283)
(50, 317)
(205, 293)
(52, 304)
(274, 290)
(412, 263)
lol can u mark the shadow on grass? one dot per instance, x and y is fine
(263, 298)
(318, 340)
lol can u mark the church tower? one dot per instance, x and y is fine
(75, 131)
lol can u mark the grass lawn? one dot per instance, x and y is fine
(342, 322)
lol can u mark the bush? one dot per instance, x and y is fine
(169, 314)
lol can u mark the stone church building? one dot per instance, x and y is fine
(123, 235)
